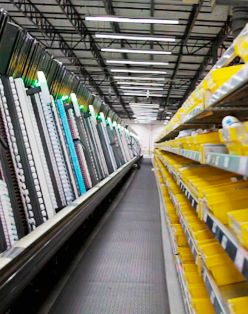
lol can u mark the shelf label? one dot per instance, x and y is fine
(226, 162)
(214, 227)
(193, 202)
(239, 259)
(205, 216)
(217, 160)
(208, 159)
(224, 242)
(242, 165)
(212, 297)
(205, 276)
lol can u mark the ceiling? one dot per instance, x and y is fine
(200, 38)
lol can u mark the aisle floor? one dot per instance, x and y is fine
(122, 271)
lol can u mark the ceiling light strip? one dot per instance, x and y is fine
(130, 20)
(139, 78)
(136, 62)
(142, 84)
(151, 52)
(138, 71)
(129, 37)
(145, 95)
(142, 88)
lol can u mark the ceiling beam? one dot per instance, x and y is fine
(219, 40)
(108, 5)
(191, 22)
(78, 23)
(49, 31)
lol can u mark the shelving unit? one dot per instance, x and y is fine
(218, 295)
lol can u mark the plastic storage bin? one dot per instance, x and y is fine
(220, 265)
(238, 305)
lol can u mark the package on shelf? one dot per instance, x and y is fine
(235, 138)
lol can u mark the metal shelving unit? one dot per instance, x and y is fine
(224, 235)
(218, 295)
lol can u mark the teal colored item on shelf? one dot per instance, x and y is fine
(71, 146)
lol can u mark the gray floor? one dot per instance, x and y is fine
(122, 271)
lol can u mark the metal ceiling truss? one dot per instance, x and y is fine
(77, 22)
(49, 31)
(219, 40)
(192, 19)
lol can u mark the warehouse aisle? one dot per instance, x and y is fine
(122, 271)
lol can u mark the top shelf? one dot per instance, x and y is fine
(234, 102)
(231, 98)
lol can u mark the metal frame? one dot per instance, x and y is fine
(80, 48)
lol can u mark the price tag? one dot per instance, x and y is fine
(242, 165)
(239, 259)
(224, 242)
(186, 192)
(193, 202)
(226, 162)
(214, 227)
(217, 160)
(212, 297)
(205, 216)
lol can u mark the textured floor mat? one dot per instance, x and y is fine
(122, 271)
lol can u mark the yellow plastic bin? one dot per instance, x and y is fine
(220, 265)
(238, 305)
(236, 219)
(198, 291)
(203, 306)
(222, 203)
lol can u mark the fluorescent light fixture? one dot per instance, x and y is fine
(136, 62)
(137, 71)
(129, 20)
(146, 38)
(145, 95)
(141, 104)
(143, 88)
(150, 52)
(118, 36)
(139, 78)
(139, 84)
(167, 118)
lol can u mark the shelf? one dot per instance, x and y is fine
(193, 201)
(237, 253)
(191, 154)
(236, 164)
(214, 156)
(214, 293)
(229, 242)
(19, 264)
(185, 296)
(222, 102)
